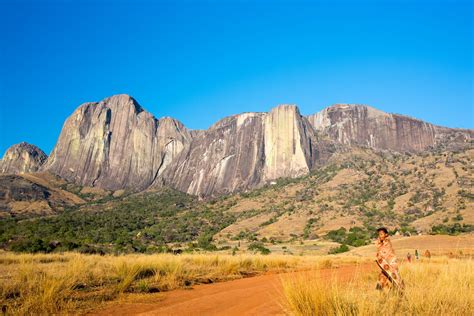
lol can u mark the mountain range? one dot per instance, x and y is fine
(120, 180)
(115, 144)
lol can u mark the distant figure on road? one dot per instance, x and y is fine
(409, 257)
(389, 276)
(427, 254)
(416, 254)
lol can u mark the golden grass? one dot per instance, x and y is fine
(62, 283)
(441, 286)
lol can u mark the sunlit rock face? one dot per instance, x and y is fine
(244, 151)
(116, 144)
(351, 124)
(288, 138)
(229, 156)
(22, 158)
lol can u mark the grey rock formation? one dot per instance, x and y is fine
(225, 158)
(351, 124)
(116, 144)
(246, 150)
(22, 158)
(292, 146)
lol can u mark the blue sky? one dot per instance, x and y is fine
(199, 61)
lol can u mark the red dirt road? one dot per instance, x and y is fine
(260, 295)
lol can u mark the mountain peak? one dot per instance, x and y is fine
(22, 158)
(122, 100)
(286, 107)
(363, 125)
(115, 144)
(354, 107)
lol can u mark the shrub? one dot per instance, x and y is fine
(338, 235)
(205, 242)
(342, 248)
(356, 237)
(258, 247)
(453, 229)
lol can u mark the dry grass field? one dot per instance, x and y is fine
(63, 283)
(39, 284)
(440, 286)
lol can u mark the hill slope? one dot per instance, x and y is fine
(358, 190)
(361, 188)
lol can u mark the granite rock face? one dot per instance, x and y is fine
(351, 124)
(116, 144)
(22, 158)
(225, 158)
(246, 150)
(287, 150)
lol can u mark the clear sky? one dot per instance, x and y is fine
(199, 61)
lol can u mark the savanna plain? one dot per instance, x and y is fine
(74, 283)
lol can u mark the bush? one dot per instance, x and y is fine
(308, 227)
(453, 229)
(342, 248)
(205, 242)
(88, 249)
(338, 235)
(356, 237)
(30, 245)
(258, 247)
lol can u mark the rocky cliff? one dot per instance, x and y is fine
(247, 150)
(288, 138)
(116, 144)
(225, 158)
(352, 124)
(22, 158)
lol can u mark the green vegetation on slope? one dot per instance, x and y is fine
(357, 191)
(408, 193)
(139, 223)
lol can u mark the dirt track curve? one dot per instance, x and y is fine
(260, 295)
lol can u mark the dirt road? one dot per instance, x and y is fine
(260, 295)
